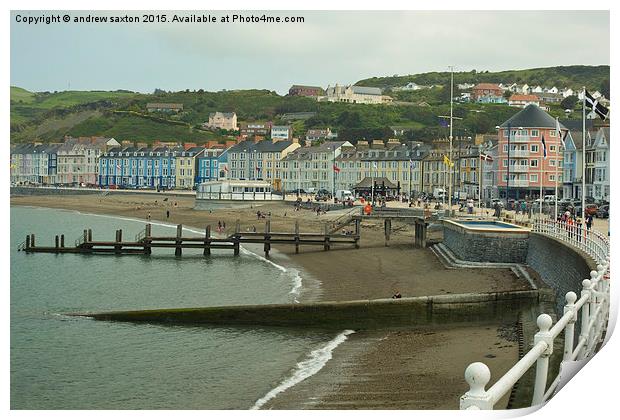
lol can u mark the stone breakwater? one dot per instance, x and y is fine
(379, 313)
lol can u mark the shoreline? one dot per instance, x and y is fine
(374, 271)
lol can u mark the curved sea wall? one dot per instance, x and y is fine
(559, 265)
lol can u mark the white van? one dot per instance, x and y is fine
(549, 198)
(344, 195)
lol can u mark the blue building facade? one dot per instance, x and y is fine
(211, 164)
(138, 167)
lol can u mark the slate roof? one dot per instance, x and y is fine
(531, 117)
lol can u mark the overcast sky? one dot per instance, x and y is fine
(328, 48)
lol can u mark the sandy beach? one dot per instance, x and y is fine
(404, 369)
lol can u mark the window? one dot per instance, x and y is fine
(552, 147)
(534, 133)
(534, 148)
(534, 163)
(552, 162)
(533, 177)
(505, 162)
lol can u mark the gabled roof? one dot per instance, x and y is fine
(531, 117)
(486, 86)
(363, 90)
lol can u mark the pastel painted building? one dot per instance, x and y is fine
(138, 168)
(211, 165)
(522, 168)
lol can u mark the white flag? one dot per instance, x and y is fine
(559, 132)
(374, 165)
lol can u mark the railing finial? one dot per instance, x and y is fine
(544, 322)
(593, 274)
(571, 298)
(586, 283)
(477, 376)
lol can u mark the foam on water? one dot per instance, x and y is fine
(314, 363)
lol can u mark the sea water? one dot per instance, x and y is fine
(64, 362)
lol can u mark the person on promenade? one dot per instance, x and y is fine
(498, 210)
(397, 295)
(167, 214)
(589, 221)
(219, 226)
(148, 216)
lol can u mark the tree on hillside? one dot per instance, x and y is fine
(569, 102)
(605, 88)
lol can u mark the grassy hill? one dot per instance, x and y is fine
(45, 116)
(562, 76)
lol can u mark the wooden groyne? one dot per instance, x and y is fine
(144, 242)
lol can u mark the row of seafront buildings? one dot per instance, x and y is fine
(518, 167)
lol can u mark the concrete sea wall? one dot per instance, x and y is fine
(486, 246)
(560, 266)
(443, 309)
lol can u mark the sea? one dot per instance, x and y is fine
(59, 361)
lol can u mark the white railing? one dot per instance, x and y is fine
(591, 310)
(519, 168)
(519, 153)
(519, 183)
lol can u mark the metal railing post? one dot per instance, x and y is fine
(544, 323)
(569, 332)
(585, 317)
(477, 376)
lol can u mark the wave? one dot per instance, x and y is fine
(313, 364)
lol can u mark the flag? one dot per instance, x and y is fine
(257, 169)
(596, 107)
(374, 165)
(411, 163)
(118, 166)
(544, 147)
(447, 161)
(486, 158)
(559, 132)
(336, 169)
(225, 168)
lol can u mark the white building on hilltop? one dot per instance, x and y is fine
(354, 94)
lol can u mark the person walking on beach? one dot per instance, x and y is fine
(219, 226)
(148, 216)
(167, 214)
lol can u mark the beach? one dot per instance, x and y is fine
(399, 369)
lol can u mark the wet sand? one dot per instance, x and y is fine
(404, 369)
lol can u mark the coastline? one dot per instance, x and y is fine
(338, 276)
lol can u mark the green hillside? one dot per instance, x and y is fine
(562, 76)
(45, 116)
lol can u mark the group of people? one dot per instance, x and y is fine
(221, 226)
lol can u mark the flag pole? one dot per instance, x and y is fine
(540, 197)
(450, 158)
(557, 164)
(583, 156)
(480, 161)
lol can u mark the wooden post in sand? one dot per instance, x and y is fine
(27, 242)
(85, 236)
(178, 251)
(56, 244)
(119, 239)
(236, 237)
(267, 246)
(32, 240)
(357, 233)
(90, 235)
(327, 245)
(147, 239)
(207, 250)
(387, 227)
(296, 236)
(62, 240)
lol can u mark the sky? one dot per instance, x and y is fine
(328, 47)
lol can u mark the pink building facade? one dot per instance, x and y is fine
(522, 167)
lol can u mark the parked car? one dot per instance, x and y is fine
(591, 209)
(297, 191)
(603, 212)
